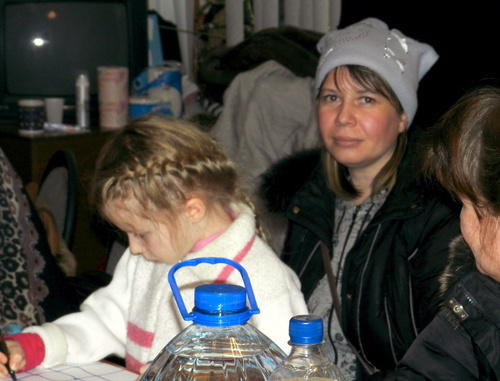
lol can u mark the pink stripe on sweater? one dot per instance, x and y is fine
(228, 270)
(140, 336)
(132, 363)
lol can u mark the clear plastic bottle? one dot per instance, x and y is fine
(82, 86)
(220, 344)
(307, 359)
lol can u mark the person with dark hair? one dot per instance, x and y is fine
(463, 153)
(360, 227)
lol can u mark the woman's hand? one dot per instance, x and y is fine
(16, 355)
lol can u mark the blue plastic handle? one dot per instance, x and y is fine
(210, 260)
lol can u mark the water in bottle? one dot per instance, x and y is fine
(220, 344)
(307, 359)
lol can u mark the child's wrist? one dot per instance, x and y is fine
(32, 346)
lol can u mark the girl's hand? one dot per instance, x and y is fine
(16, 355)
(142, 369)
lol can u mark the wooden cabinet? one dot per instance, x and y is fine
(29, 155)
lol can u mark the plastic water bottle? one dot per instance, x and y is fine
(307, 359)
(82, 100)
(220, 344)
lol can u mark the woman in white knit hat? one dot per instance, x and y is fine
(356, 204)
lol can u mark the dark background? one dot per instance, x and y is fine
(465, 36)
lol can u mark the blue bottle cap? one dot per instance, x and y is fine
(220, 305)
(306, 329)
(216, 305)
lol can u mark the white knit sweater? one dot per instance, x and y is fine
(136, 315)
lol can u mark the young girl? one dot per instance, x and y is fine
(174, 193)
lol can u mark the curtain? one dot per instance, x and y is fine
(316, 15)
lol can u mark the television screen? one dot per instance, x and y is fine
(39, 36)
(46, 43)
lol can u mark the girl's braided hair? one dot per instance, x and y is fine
(162, 162)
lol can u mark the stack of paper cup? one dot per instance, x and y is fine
(113, 96)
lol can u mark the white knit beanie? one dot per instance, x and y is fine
(399, 60)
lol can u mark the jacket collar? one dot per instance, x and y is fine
(461, 261)
(404, 200)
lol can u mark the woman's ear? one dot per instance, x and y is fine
(403, 125)
(195, 209)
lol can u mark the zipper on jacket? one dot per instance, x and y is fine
(358, 306)
(309, 257)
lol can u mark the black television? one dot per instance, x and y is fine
(44, 44)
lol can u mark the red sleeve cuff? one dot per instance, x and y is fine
(33, 347)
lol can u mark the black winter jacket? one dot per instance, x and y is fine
(463, 341)
(390, 280)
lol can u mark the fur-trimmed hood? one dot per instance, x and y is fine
(461, 262)
(283, 179)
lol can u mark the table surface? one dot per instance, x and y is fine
(101, 370)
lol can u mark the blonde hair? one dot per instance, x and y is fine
(336, 174)
(162, 162)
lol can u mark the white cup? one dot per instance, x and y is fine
(54, 110)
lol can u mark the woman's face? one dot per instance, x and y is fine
(483, 238)
(359, 128)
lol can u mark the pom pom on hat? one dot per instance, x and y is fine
(401, 61)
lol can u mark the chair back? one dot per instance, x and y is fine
(59, 190)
